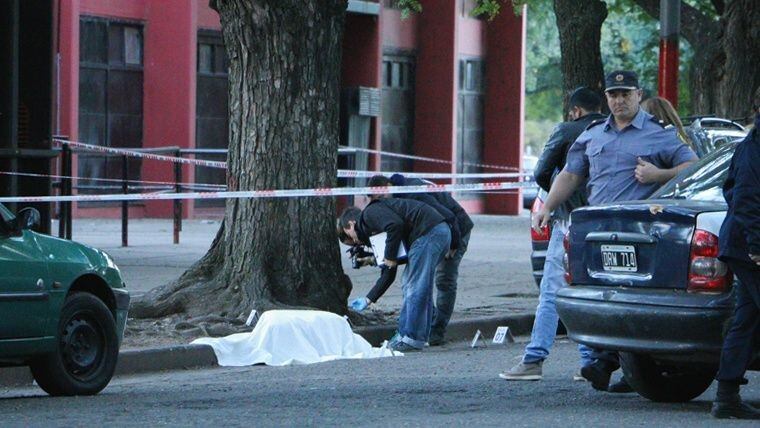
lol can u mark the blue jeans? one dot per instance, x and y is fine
(547, 319)
(446, 275)
(417, 285)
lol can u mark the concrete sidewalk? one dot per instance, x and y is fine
(495, 283)
(495, 274)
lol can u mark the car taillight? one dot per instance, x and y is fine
(706, 272)
(545, 233)
(566, 259)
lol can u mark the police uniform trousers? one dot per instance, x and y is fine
(743, 337)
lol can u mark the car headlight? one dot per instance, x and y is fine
(109, 262)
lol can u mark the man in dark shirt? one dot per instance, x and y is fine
(585, 105)
(739, 244)
(426, 237)
(447, 273)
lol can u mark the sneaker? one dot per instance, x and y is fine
(578, 377)
(400, 346)
(524, 371)
(598, 374)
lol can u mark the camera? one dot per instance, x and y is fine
(361, 256)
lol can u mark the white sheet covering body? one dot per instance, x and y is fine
(284, 337)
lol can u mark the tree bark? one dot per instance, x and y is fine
(284, 78)
(724, 73)
(580, 30)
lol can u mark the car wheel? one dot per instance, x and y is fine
(86, 349)
(665, 382)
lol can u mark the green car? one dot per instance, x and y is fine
(63, 308)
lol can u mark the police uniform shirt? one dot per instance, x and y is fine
(608, 157)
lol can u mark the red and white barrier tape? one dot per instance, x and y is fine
(134, 153)
(285, 193)
(426, 159)
(348, 173)
(114, 180)
(220, 164)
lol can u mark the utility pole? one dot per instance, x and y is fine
(670, 27)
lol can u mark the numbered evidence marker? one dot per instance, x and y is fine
(478, 339)
(253, 318)
(503, 336)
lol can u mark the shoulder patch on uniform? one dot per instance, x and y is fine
(658, 121)
(595, 123)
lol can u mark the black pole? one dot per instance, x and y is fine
(62, 191)
(177, 202)
(68, 166)
(124, 204)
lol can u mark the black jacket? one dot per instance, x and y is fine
(404, 220)
(553, 159)
(740, 232)
(448, 216)
(463, 221)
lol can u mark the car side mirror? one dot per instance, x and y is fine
(28, 218)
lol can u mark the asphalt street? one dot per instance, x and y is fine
(454, 385)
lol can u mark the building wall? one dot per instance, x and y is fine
(438, 37)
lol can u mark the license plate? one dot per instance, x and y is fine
(619, 258)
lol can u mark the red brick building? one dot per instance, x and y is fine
(150, 73)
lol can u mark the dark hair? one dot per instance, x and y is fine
(398, 180)
(378, 181)
(586, 99)
(349, 214)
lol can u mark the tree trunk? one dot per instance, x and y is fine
(740, 80)
(284, 78)
(724, 73)
(580, 26)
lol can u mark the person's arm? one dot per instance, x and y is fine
(572, 176)
(564, 185)
(380, 217)
(387, 276)
(647, 172)
(746, 197)
(673, 153)
(550, 159)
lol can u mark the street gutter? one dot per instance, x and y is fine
(188, 357)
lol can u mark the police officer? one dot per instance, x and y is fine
(740, 247)
(624, 157)
(584, 109)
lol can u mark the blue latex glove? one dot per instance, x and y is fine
(359, 304)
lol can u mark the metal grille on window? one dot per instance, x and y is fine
(211, 109)
(470, 116)
(110, 98)
(398, 109)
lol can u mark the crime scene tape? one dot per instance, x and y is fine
(349, 173)
(114, 180)
(134, 153)
(284, 193)
(220, 164)
(345, 149)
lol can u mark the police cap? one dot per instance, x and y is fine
(621, 79)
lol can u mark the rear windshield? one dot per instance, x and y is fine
(702, 181)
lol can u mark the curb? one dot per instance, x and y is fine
(186, 357)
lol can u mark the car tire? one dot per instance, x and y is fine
(665, 383)
(87, 348)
